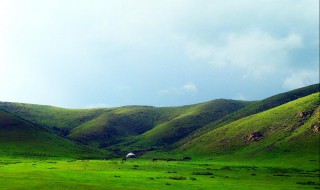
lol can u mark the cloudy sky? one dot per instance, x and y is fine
(93, 53)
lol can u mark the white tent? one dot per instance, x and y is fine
(131, 155)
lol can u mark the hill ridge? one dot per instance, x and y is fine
(129, 128)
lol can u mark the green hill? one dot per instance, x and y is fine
(114, 125)
(20, 138)
(99, 127)
(60, 120)
(225, 144)
(254, 108)
(109, 126)
(287, 133)
(134, 127)
(193, 118)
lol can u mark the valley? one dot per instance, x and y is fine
(268, 144)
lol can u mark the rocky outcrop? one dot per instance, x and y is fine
(254, 136)
(316, 128)
(303, 114)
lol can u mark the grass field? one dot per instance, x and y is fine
(272, 144)
(145, 174)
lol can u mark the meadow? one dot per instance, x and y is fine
(146, 174)
(268, 144)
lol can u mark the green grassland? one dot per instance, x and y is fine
(268, 144)
(145, 174)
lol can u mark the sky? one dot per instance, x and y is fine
(103, 53)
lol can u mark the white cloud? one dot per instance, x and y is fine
(189, 87)
(186, 88)
(301, 79)
(256, 51)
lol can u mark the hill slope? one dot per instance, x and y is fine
(195, 117)
(114, 125)
(60, 120)
(109, 126)
(289, 131)
(254, 108)
(19, 138)
(137, 127)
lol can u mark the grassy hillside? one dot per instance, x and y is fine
(254, 108)
(94, 126)
(19, 138)
(114, 125)
(60, 120)
(109, 126)
(144, 127)
(287, 133)
(270, 144)
(193, 118)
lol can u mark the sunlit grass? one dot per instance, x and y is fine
(145, 174)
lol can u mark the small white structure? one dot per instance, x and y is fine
(131, 155)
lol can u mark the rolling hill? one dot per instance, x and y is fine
(116, 124)
(20, 138)
(287, 133)
(254, 108)
(194, 117)
(214, 128)
(60, 120)
(104, 127)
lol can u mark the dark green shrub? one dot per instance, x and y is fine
(177, 178)
(202, 173)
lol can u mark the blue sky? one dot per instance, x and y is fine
(101, 53)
